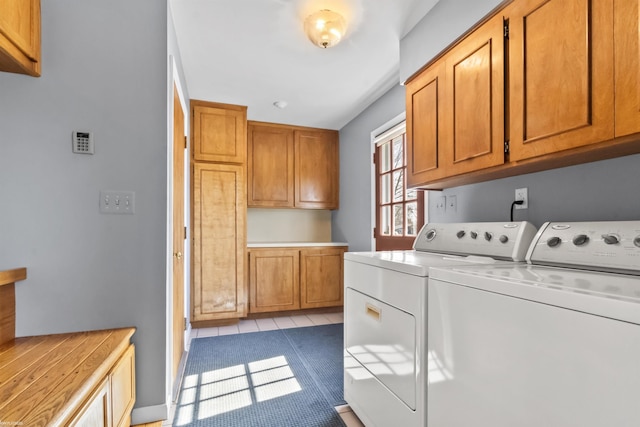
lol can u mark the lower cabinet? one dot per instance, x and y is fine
(91, 380)
(123, 389)
(321, 277)
(112, 401)
(95, 413)
(282, 279)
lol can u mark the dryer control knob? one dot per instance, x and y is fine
(580, 239)
(474, 235)
(460, 234)
(488, 236)
(504, 238)
(431, 234)
(636, 241)
(610, 239)
(552, 242)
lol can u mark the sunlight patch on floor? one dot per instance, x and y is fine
(224, 390)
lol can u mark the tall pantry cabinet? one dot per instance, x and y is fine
(219, 210)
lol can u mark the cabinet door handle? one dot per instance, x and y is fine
(178, 255)
(373, 311)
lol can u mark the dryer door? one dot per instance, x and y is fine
(382, 338)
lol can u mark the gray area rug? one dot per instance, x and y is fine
(287, 377)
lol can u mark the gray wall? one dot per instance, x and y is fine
(600, 191)
(104, 69)
(352, 222)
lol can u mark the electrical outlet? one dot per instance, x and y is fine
(441, 204)
(452, 204)
(521, 194)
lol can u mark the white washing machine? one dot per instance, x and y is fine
(555, 342)
(385, 314)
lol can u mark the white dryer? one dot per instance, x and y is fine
(555, 342)
(385, 314)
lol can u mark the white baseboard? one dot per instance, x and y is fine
(149, 414)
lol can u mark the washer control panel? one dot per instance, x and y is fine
(500, 240)
(603, 246)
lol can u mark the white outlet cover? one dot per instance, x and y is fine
(522, 194)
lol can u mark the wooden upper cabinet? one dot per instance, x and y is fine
(316, 169)
(292, 167)
(219, 132)
(321, 277)
(219, 241)
(274, 280)
(474, 97)
(627, 66)
(560, 75)
(425, 125)
(270, 166)
(20, 36)
(455, 109)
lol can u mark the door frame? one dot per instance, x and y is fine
(372, 148)
(174, 80)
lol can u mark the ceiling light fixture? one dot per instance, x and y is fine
(325, 28)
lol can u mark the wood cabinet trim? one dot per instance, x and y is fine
(11, 276)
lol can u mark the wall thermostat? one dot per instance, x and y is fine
(82, 142)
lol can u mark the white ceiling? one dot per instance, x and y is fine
(255, 52)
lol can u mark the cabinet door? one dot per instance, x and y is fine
(270, 166)
(321, 277)
(455, 109)
(219, 132)
(560, 75)
(316, 169)
(20, 36)
(123, 389)
(474, 100)
(425, 125)
(95, 412)
(219, 242)
(274, 280)
(627, 66)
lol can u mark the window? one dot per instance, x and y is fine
(399, 211)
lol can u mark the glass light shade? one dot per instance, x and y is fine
(325, 28)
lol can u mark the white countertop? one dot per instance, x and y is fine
(293, 244)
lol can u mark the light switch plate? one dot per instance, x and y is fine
(117, 202)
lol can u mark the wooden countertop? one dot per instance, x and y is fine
(44, 379)
(294, 244)
(11, 276)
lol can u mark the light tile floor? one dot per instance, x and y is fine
(272, 323)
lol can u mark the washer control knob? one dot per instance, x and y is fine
(460, 234)
(636, 241)
(552, 242)
(431, 234)
(580, 239)
(488, 236)
(611, 239)
(474, 235)
(504, 238)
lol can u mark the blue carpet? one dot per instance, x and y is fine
(321, 350)
(282, 378)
